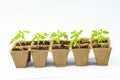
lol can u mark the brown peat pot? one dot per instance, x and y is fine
(102, 51)
(40, 53)
(60, 53)
(81, 52)
(20, 56)
(26, 44)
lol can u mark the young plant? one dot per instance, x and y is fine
(39, 37)
(75, 37)
(99, 35)
(58, 35)
(19, 35)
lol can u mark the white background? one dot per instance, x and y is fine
(66, 15)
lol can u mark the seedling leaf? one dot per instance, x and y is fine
(105, 32)
(58, 35)
(75, 37)
(19, 35)
(99, 35)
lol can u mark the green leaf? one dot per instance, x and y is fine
(75, 37)
(17, 36)
(58, 40)
(80, 31)
(34, 38)
(101, 38)
(20, 31)
(45, 34)
(60, 35)
(42, 37)
(38, 34)
(73, 32)
(66, 36)
(99, 33)
(12, 40)
(26, 31)
(94, 31)
(53, 34)
(75, 43)
(23, 37)
(72, 36)
(94, 35)
(71, 42)
(105, 32)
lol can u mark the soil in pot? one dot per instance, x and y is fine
(84, 40)
(64, 42)
(60, 55)
(23, 43)
(102, 44)
(39, 55)
(54, 42)
(81, 52)
(46, 42)
(102, 51)
(20, 56)
(60, 47)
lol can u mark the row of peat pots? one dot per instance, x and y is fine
(23, 50)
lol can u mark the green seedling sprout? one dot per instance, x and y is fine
(99, 35)
(19, 35)
(56, 36)
(39, 37)
(75, 37)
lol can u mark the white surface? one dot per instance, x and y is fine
(66, 15)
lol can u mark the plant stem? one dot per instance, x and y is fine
(38, 44)
(59, 44)
(43, 42)
(20, 45)
(79, 42)
(25, 41)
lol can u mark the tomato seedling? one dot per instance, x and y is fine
(75, 37)
(19, 35)
(99, 35)
(56, 36)
(39, 37)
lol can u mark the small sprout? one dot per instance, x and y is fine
(99, 35)
(58, 35)
(19, 35)
(39, 37)
(75, 37)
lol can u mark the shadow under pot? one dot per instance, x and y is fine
(39, 55)
(102, 52)
(26, 44)
(60, 54)
(81, 54)
(20, 56)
